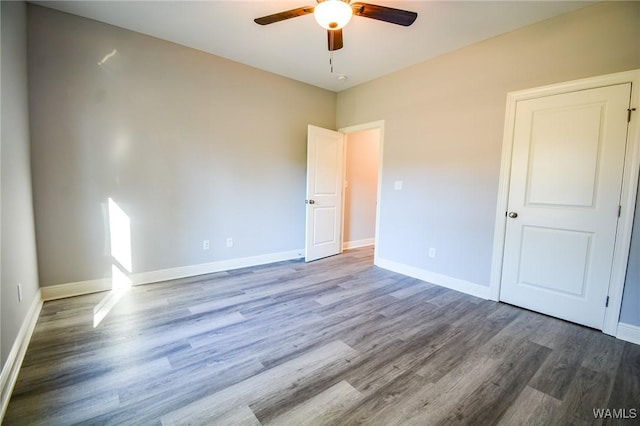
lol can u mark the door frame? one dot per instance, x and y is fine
(379, 124)
(627, 198)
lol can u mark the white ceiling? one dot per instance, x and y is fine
(297, 48)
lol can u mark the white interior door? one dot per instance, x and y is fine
(325, 161)
(564, 195)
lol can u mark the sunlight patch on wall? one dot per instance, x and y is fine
(120, 235)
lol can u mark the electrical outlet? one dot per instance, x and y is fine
(19, 292)
(205, 244)
(432, 252)
(229, 242)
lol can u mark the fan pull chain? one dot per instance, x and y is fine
(331, 35)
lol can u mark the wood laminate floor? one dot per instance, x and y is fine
(337, 341)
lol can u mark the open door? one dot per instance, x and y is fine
(325, 159)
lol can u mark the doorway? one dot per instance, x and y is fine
(326, 181)
(568, 160)
(362, 152)
(362, 183)
(560, 184)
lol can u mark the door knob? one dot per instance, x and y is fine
(309, 201)
(513, 215)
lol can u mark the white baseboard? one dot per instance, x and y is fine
(628, 333)
(457, 284)
(12, 366)
(60, 291)
(358, 243)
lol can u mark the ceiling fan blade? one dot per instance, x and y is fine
(383, 13)
(281, 16)
(334, 37)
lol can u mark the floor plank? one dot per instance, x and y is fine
(625, 393)
(532, 407)
(323, 409)
(270, 384)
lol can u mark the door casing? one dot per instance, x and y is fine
(629, 185)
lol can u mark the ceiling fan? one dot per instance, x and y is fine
(333, 15)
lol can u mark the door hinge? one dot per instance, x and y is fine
(606, 304)
(619, 210)
(629, 114)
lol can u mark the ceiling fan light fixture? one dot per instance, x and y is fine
(333, 14)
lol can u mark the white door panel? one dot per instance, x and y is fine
(324, 229)
(566, 178)
(555, 260)
(561, 174)
(325, 157)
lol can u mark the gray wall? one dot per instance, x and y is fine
(630, 312)
(191, 146)
(17, 245)
(443, 130)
